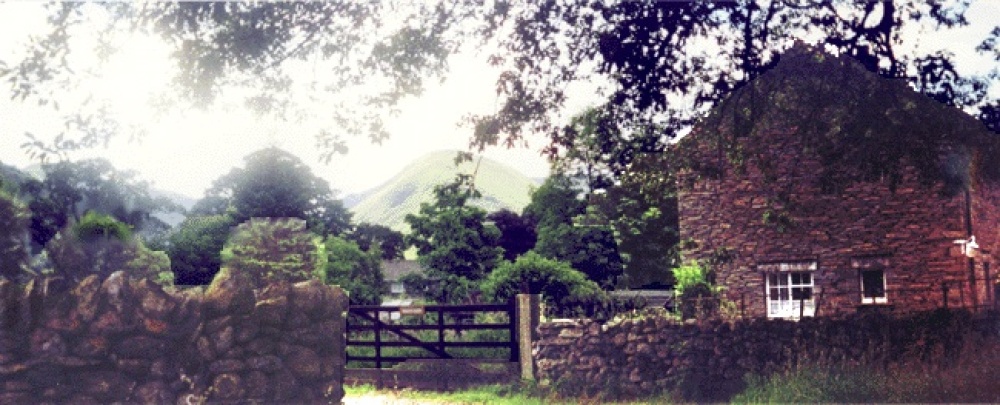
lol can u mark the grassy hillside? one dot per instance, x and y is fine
(502, 187)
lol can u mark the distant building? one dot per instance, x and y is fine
(790, 243)
(651, 298)
(394, 270)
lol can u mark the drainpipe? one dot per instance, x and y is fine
(971, 260)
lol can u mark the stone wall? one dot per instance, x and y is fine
(709, 361)
(986, 227)
(126, 340)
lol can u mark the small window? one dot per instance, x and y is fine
(873, 287)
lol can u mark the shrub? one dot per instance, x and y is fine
(94, 226)
(196, 246)
(560, 285)
(697, 297)
(272, 249)
(101, 245)
(356, 271)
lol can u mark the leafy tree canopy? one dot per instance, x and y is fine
(277, 184)
(372, 236)
(517, 233)
(452, 238)
(70, 189)
(355, 270)
(642, 210)
(564, 232)
(666, 63)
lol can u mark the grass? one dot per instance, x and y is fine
(517, 394)
(971, 377)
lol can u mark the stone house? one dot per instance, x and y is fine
(820, 188)
(394, 270)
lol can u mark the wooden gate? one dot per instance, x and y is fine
(437, 331)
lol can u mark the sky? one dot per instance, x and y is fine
(186, 150)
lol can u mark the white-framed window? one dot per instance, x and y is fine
(873, 287)
(790, 288)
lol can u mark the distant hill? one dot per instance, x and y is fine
(501, 185)
(172, 218)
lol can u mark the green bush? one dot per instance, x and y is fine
(272, 249)
(696, 296)
(195, 248)
(101, 245)
(355, 270)
(560, 285)
(94, 226)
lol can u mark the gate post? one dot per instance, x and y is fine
(529, 313)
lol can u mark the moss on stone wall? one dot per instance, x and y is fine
(128, 340)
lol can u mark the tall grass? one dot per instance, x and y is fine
(514, 394)
(971, 377)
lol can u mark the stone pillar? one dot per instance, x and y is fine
(529, 311)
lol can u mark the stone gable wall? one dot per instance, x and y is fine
(913, 227)
(125, 340)
(986, 227)
(709, 361)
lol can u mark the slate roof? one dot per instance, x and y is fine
(393, 270)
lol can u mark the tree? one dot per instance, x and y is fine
(667, 62)
(71, 189)
(195, 248)
(100, 245)
(642, 209)
(454, 243)
(649, 50)
(374, 53)
(277, 184)
(517, 233)
(357, 271)
(14, 219)
(210, 205)
(372, 236)
(272, 249)
(594, 150)
(564, 235)
(628, 187)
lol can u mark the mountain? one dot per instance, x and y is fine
(172, 218)
(502, 186)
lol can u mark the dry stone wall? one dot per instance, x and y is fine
(126, 340)
(709, 361)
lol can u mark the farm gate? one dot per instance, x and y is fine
(440, 346)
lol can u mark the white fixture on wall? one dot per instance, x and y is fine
(968, 246)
